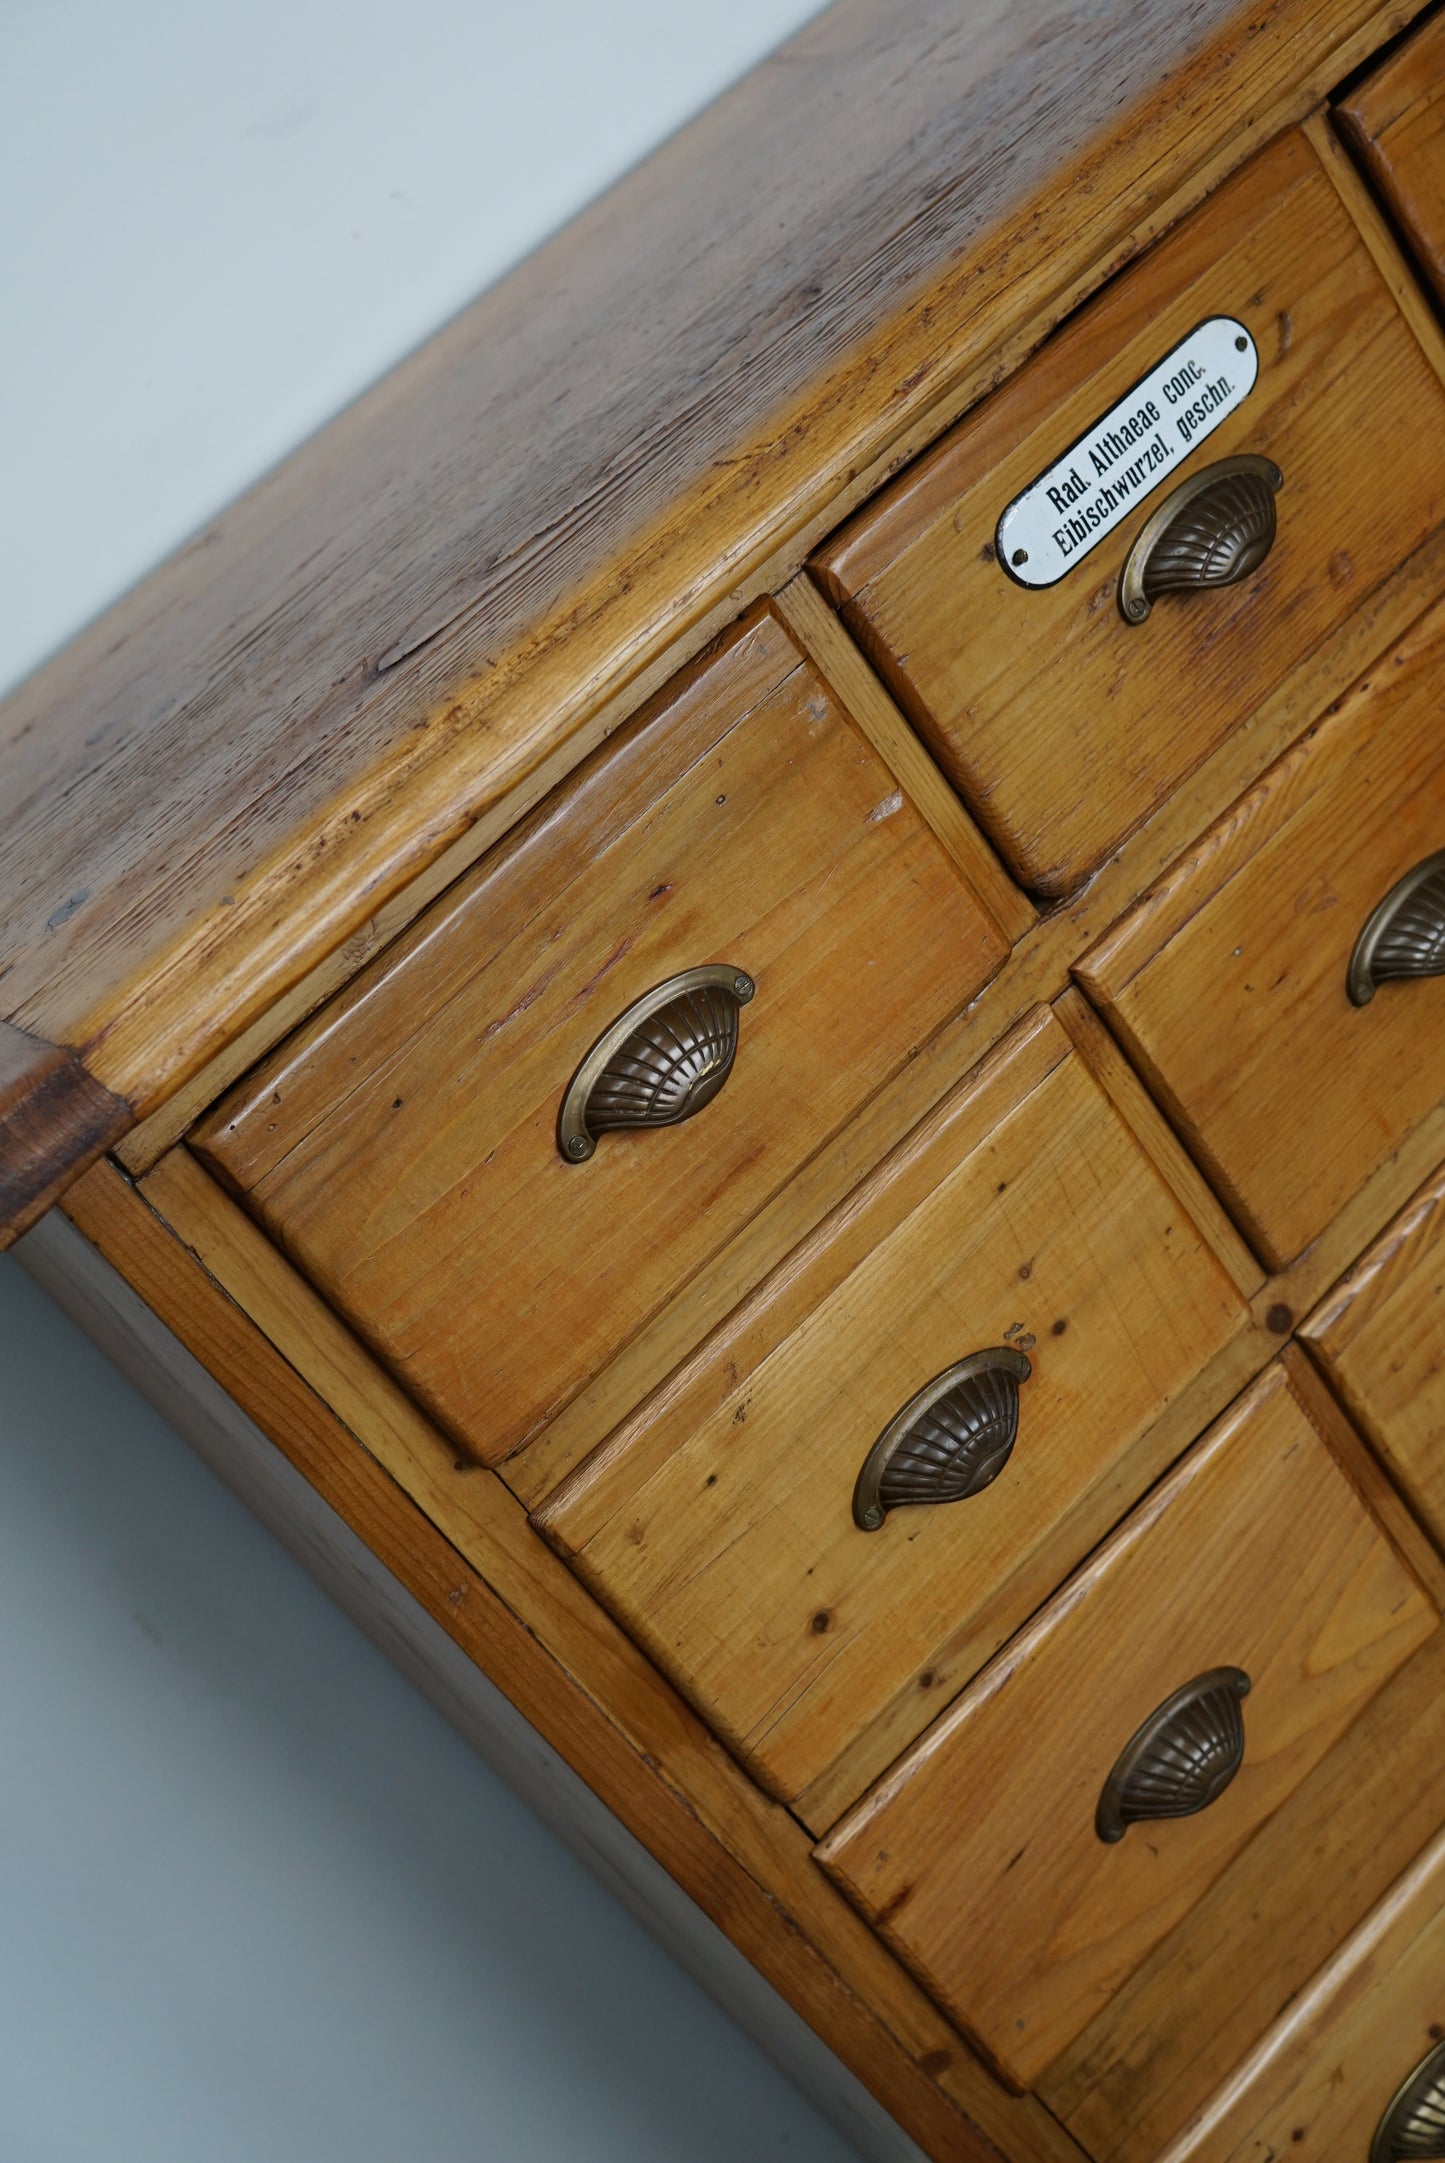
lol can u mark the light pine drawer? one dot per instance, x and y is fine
(719, 1524)
(983, 1857)
(1354, 2072)
(1230, 983)
(1380, 1337)
(1395, 122)
(1062, 725)
(406, 1146)
(1199, 2004)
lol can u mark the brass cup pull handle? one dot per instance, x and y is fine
(1210, 531)
(1183, 1757)
(658, 1063)
(951, 1440)
(1414, 2121)
(1404, 936)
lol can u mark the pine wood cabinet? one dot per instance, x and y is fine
(1062, 724)
(743, 999)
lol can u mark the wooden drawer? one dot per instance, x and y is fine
(1062, 725)
(1207, 1993)
(980, 1858)
(1395, 122)
(404, 1147)
(1380, 1336)
(1229, 983)
(1354, 2072)
(719, 1526)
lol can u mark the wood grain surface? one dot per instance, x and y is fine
(55, 1119)
(1037, 971)
(528, 525)
(462, 1546)
(1378, 1337)
(1321, 2080)
(1227, 983)
(1062, 725)
(1255, 1940)
(1394, 121)
(404, 1148)
(977, 1856)
(718, 1526)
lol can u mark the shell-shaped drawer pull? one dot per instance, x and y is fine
(1212, 530)
(1405, 935)
(952, 1438)
(1183, 1757)
(1414, 2123)
(658, 1063)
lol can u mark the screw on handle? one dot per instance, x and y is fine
(660, 1062)
(1181, 1759)
(1414, 2121)
(951, 1440)
(1404, 935)
(1210, 531)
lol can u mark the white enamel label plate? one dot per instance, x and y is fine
(1124, 457)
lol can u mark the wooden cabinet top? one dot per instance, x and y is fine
(383, 653)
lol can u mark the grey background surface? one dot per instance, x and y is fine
(260, 1904)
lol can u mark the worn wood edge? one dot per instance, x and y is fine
(55, 1120)
(149, 1035)
(104, 1306)
(1293, 2031)
(1367, 1214)
(1201, 874)
(860, 691)
(1160, 1144)
(1369, 1478)
(1371, 1281)
(1375, 230)
(662, 1772)
(1357, 1298)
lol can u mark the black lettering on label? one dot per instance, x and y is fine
(1127, 453)
(1180, 385)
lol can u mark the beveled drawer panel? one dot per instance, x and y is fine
(1395, 121)
(1380, 1336)
(405, 1147)
(719, 1525)
(985, 1859)
(1061, 724)
(1354, 2072)
(1230, 983)
(1199, 2004)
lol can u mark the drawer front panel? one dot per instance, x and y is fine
(720, 1525)
(1380, 1337)
(405, 1147)
(1355, 2071)
(980, 1858)
(1061, 724)
(1395, 122)
(1230, 983)
(1200, 2003)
